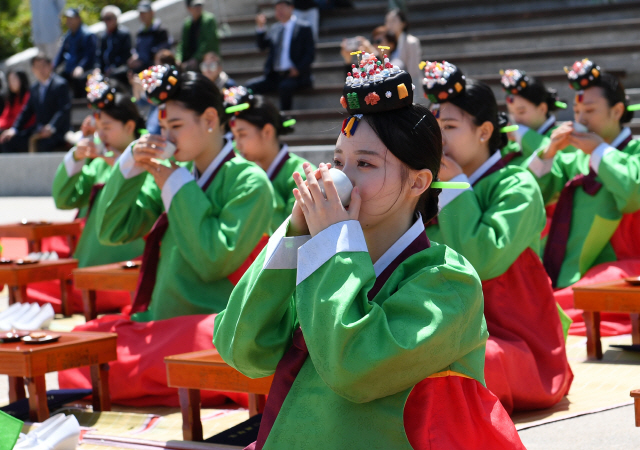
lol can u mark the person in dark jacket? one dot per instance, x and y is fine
(291, 52)
(114, 49)
(151, 38)
(50, 102)
(77, 53)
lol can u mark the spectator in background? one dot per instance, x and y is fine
(151, 38)
(50, 102)
(114, 49)
(15, 99)
(308, 11)
(77, 53)
(211, 67)
(408, 50)
(199, 36)
(291, 52)
(45, 25)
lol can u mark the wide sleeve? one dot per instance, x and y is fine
(553, 174)
(492, 232)
(364, 350)
(214, 243)
(129, 207)
(73, 182)
(620, 175)
(255, 330)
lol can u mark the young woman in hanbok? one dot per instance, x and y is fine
(496, 225)
(202, 227)
(594, 231)
(375, 334)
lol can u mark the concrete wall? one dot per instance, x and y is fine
(31, 174)
(172, 14)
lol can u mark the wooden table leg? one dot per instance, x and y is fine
(100, 385)
(89, 303)
(190, 407)
(636, 407)
(594, 346)
(635, 329)
(35, 246)
(256, 404)
(73, 242)
(16, 389)
(66, 288)
(38, 409)
(17, 294)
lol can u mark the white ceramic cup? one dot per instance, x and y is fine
(577, 126)
(342, 183)
(168, 151)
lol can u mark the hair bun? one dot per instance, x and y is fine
(583, 74)
(160, 82)
(442, 81)
(99, 92)
(375, 86)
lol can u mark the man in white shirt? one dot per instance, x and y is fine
(291, 52)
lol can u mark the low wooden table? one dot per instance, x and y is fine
(191, 372)
(34, 232)
(612, 296)
(109, 277)
(17, 277)
(28, 364)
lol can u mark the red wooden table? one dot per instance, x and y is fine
(17, 277)
(108, 277)
(612, 296)
(191, 372)
(34, 232)
(28, 364)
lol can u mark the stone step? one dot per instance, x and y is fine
(478, 17)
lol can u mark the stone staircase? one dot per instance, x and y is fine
(539, 36)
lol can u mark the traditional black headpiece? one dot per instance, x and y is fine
(160, 83)
(442, 81)
(100, 93)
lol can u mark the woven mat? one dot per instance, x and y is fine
(597, 385)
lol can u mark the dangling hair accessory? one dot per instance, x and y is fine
(160, 83)
(375, 86)
(442, 81)
(350, 124)
(99, 93)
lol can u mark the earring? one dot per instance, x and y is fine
(481, 139)
(210, 130)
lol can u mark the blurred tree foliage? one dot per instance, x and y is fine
(15, 20)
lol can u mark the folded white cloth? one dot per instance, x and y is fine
(28, 312)
(59, 432)
(42, 319)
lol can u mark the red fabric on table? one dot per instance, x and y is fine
(526, 364)
(611, 324)
(457, 413)
(139, 376)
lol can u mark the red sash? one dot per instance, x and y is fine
(556, 248)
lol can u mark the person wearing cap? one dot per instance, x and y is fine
(291, 52)
(114, 49)
(77, 53)
(151, 38)
(45, 31)
(199, 36)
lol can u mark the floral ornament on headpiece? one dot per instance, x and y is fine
(160, 82)
(442, 81)
(99, 92)
(582, 75)
(513, 82)
(236, 99)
